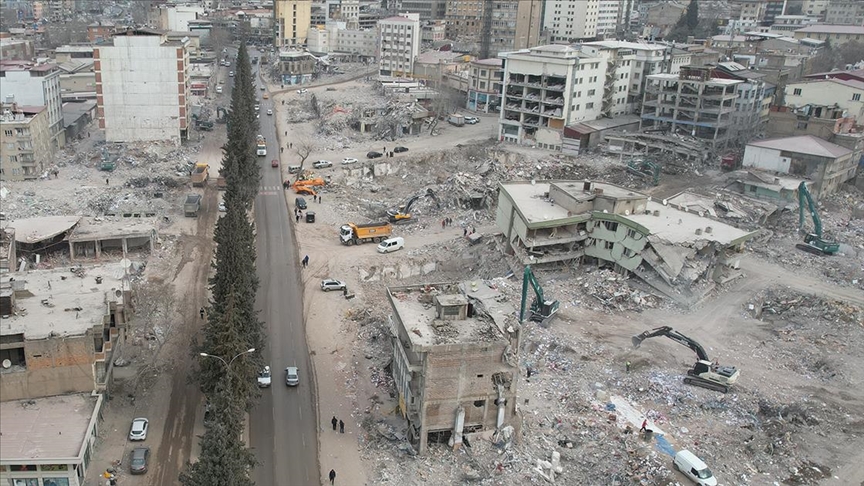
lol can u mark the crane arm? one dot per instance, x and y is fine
(804, 197)
(529, 279)
(675, 336)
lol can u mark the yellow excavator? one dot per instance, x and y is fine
(402, 214)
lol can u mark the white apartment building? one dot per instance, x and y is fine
(399, 44)
(177, 17)
(335, 36)
(142, 87)
(545, 89)
(568, 20)
(610, 15)
(846, 94)
(32, 84)
(628, 65)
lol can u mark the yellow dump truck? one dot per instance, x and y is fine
(199, 175)
(355, 234)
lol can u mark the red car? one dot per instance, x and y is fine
(274, 163)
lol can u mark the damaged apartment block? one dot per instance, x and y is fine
(678, 252)
(454, 362)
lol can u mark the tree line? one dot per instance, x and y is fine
(228, 377)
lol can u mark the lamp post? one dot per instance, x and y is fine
(227, 363)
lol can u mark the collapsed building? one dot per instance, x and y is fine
(455, 362)
(669, 247)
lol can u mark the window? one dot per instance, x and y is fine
(589, 106)
(608, 245)
(631, 233)
(591, 92)
(628, 252)
(611, 225)
(8, 133)
(856, 97)
(796, 91)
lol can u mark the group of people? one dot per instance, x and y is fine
(336, 422)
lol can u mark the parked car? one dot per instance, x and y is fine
(292, 169)
(330, 284)
(230, 74)
(399, 150)
(264, 378)
(274, 163)
(138, 460)
(471, 120)
(269, 112)
(292, 377)
(349, 160)
(222, 207)
(257, 107)
(391, 244)
(322, 164)
(266, 96)
(218, 89)
(374, 155)
(302, 91)
(693, 467)
(300, 203)
(139, 429)
(263, 88)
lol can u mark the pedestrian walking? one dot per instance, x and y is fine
(281, 150)
(106, 181)
(319, 198)
(391, 153)
(385, 150)
(314, 197)
(201, 313)
(345, 291)
(332, 476)
(341, 427)
(443, 223)
(627, 366)
(644, 425)
(291, 145)
(334, 421)
(286, 133)
(306, 261)
(297, 217)
(464, 231)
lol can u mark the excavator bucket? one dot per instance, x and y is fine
(637, 340)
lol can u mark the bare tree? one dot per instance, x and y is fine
(156, 315)
(304, 150)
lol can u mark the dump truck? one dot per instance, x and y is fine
(355, 234)
(456, 120)
(200, 174)
(221, 184)
(261, 146)
(192, 205)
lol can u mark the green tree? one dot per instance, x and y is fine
(687, 24)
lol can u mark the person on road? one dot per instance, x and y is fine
(334, 421)
(201, 313)
(332, 476)
(298, 217)
(341, 427)
(306, 261)
(644, 425)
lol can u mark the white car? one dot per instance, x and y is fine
(139, 429)
(264, 378)
(302, 91)
(330, 284)
(292, 376)
(472, 120)
(269, 112)
(231, 74)
(322, 164)
(257, 107)
(263, 88)
(222, 207)
(349, 160)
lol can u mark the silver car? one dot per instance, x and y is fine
(139, 429)
(292, 376)
(331, 284)
(322, 164)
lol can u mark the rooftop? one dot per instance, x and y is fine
(71, 48)
(64, 301)
(803, 144)
(675, 77)
(46, 428)
(89, 230)
(416, 310)
(832, 29)
(495, 62)
(34, 230)
(531, 199)
(676, 226)
(637, 46)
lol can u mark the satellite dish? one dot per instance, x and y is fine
(7, 364)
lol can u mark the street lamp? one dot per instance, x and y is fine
(227, 363)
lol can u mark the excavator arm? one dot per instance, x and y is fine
(804, 197)
(541, 309)
(675, 336)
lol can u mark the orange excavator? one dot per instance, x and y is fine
(305, 182)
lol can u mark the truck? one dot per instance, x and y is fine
(261, 146)
(264, 378)
(192, 205)
(200, 174)
(355, 234)
(456, 120)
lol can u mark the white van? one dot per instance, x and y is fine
(693, 467)
(391, 244)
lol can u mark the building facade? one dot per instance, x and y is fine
(844, 12)
(30, 84)
(569, 21)
(296, 67)
(428, 9)
(292, 19)
(546, 88)
(399, 44)
(455, 360)
(154, 103)
(485, 85)
(493, 26)
(846, 94)
(837, 34)
(25, 138)
(692, 102)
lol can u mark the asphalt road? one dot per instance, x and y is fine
(283, 427)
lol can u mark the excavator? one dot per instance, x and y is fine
(402, 214)
(541, 309)
(704, 373)
(813, 242)
(305, 182)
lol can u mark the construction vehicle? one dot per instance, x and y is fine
(813, 242)
(264, 378)
(402, 214)
(645, 169)
(355, 234)
(261, 146)
(305, 182)
(221, 115)
(192, 205)
(199, 174)
(730, 162)
(456, 120)
(541, 309)
(704, 373)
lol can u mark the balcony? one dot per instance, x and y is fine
(554, 101)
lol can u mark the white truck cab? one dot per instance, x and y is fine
(264, 378)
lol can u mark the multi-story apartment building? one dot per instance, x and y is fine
(773, 8)
(494, 26)
(815, 8)
(546, 88)
(174, 17)
(101, 32)
(838, 34)
(399, 44)
(336, 37)
(692, 102)
(292, 22)
(428, 9)
(846, 94)
(787, 24)
(628, 65)
(752, 12)
(35, 84)
(25, 138)
(611, 16)
(849, 12)
(570, 20)
(485, 85)
(15, 48)
(434, 31)
(152, 104)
